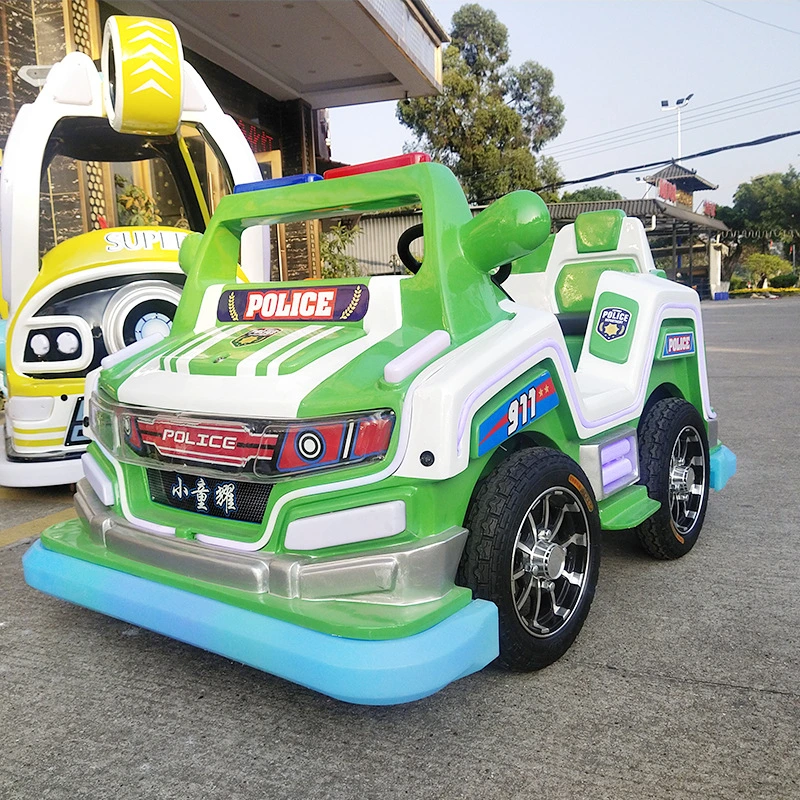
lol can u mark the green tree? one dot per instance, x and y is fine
(491, 120)
(336, 263)
(590, 194)
(764, 211)
(761, 266)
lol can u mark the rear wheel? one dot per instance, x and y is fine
(674, 466)
(534, 551)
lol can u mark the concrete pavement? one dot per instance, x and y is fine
(683, 683)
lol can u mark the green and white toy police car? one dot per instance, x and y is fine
(375, 486)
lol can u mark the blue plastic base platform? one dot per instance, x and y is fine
(354, 670)
(723, 467)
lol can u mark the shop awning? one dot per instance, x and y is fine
(326, 52)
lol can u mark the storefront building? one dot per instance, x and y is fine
(275, 67)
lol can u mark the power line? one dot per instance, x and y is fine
(639, 167)
(669, 124)
(691, 115)
(670, 133)
(752, 19)
(663, 131)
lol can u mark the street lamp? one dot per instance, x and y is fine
(680, 104)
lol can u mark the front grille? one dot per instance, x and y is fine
(215, 497)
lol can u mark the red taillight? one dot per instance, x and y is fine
(405, 160)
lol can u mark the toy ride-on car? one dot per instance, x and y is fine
(374, 486)
(143, 146)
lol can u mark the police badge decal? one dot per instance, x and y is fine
(254, 336)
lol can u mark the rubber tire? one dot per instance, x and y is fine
(493, 518)
(659, 428)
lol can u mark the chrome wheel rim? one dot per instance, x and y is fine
(687, 479)
(550, 563)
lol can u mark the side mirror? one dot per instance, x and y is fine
(188, 252)
(509, 228)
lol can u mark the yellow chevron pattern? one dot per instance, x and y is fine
(148, 67)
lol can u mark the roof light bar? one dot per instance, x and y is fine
(405, 160)
(276, 183)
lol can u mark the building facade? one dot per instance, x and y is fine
(274, 67)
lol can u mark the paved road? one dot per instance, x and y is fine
(683, 684)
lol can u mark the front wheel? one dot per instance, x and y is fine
(534, 551)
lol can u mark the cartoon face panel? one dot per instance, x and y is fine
(78, 326)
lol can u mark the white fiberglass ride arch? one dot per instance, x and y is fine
(74, 89)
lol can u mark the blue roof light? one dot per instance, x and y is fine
(276, 183)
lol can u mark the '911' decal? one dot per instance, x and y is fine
(531, 402)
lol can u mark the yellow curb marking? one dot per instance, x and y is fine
(34, 527)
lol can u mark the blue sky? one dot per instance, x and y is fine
(615, 60)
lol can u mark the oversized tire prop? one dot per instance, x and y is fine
(142, 64)
(534, 551)
(138, 310)
(674, 466)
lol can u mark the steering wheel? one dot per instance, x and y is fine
(404, 248)
(413, 265)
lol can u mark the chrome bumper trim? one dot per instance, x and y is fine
(399, 575)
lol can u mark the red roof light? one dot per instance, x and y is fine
(405, 160)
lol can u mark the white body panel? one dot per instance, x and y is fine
(248, 395)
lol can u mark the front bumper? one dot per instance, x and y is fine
(29, 473)
(43, 436)
(399, 575)
(723, 466)
(354, 670)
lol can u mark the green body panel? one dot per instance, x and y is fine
(681, 376)
(577, 283)
(555, 428)
(535, 261)
(574, 347)
(626, 509)
(451, 290)
(353, 620)
(598, 231)
(619, 348)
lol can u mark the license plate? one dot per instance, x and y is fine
(75, 430)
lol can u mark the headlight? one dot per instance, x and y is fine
(67, 343)
(40, 344)
(53, 345)
(265, 449)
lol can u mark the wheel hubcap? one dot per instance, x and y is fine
(546, 560)
(550, 562)
(687, 479)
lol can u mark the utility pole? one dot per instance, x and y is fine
(680, 104)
